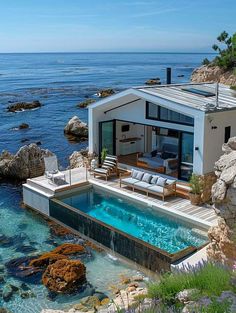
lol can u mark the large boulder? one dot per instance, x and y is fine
(79, 158)
(77, 128)
(28, 162)
(22, 106)
(209, 73)
(64, 276)
(222, 244)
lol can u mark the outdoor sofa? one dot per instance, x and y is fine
(150, 184)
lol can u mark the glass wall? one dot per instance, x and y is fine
(107, 135)
(186, 165)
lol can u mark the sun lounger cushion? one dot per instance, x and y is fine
(129, 181)
(161, 181)
(157, 189)
(154, 179)
(142, 184)
(101, 170)
(147, 178)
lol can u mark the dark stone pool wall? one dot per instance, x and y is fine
(132, 248)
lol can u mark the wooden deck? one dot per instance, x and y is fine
(78, 176)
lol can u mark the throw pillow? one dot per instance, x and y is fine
(139, 176)
(161, 181)
(154, 179)
(147, 178)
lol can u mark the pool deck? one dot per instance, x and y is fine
(204, 214)
(38, 191)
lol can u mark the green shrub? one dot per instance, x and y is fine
(210, 280)
(196, 184)
(233, 87)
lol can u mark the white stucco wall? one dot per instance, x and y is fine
(214, 138)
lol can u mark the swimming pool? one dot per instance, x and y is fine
(137, 220)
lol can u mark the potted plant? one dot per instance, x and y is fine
(104, 154)
(196, 189)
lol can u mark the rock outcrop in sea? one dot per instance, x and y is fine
(153, 81)
(210, 73)
(106, 93)
(77, 128)
(223, 246)
(85, 103)
(22, 106)
(28, 162)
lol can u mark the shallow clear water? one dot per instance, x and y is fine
(137, 220)
(25, 229)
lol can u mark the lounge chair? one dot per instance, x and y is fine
(52, 172)
(151, 184)
(108, 168)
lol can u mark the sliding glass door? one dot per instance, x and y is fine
(107, 137)
(186, 161)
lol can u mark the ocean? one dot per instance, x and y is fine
(60, 81)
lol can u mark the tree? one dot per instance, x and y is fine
(227, 51)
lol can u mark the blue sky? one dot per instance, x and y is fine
(113, 25)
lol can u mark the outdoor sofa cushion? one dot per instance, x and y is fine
(170, 181)
(129, 181)
(142, 184)
(157, 189)
(134, 173)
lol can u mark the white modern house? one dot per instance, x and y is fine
(172, 129)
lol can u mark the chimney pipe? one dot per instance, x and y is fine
(217, 95)
(168, 75)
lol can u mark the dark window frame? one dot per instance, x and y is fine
(148, 117)
(227, 133)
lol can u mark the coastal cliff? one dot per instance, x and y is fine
(211, 73)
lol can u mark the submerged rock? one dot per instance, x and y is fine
(47, 259)
(28, 162)
(24, 126)
(22, 106)
(58, 230)
(69, 248)
(77, 128)
(64, 276)
(7, 293)
(21, 269)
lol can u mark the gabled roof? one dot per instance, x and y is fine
(197, 96)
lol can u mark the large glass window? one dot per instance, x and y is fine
(156, 112)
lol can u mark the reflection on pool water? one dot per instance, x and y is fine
(25, 233)
(135, 219)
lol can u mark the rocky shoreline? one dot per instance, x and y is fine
(210, 73)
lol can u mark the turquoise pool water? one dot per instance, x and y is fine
(137, 220)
